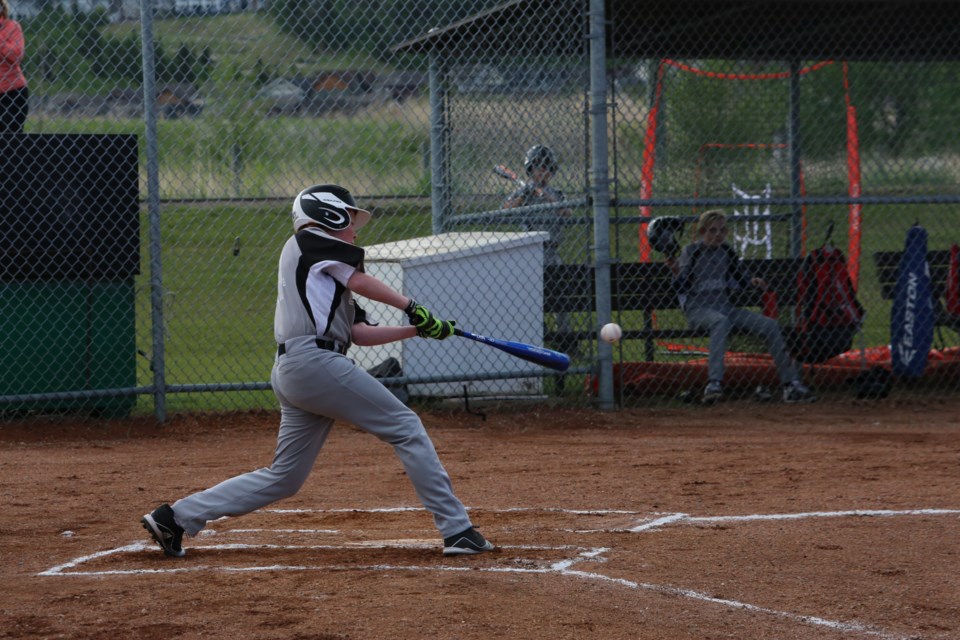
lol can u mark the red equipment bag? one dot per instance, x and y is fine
(828, 312)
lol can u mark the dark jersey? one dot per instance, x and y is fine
(312, 294)
(549, 221)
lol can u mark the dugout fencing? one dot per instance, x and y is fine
(808, 123)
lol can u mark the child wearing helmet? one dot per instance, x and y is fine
(707, 270)
(540, 164)
(316, 320)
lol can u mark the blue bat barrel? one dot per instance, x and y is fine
(911, 318)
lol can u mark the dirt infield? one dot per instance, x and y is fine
(834, 520)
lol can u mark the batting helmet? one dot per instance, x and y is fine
(540, 156)
(328, 205)
(663, 232)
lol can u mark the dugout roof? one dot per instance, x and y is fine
(736, 29)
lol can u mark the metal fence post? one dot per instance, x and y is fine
(440, 186)
(153, 208)
(796, 160)
(601, 192)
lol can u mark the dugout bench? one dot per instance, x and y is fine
(647, 287)
(888, 271)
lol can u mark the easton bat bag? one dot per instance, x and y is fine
(911, 318)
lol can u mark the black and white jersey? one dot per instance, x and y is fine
(312, 294)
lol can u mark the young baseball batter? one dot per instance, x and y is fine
(315, 323)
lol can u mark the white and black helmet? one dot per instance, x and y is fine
(328, 205)
(540, 156)
(663, 233)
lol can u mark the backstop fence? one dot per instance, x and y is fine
(514, 156)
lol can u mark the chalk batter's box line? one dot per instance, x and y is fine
(684, 518)
(67, 568)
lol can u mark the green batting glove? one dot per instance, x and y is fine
(419, 316)
(438, 330)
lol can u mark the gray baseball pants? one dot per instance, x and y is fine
(720, 323)
(316, 387)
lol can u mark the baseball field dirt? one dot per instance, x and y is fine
(835, 520)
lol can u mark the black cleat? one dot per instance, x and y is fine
(164, 530)
(465, 543)
(712, 393)
(797, 392)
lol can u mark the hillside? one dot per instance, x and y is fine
(238, 41)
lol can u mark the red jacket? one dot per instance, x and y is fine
(11, 53)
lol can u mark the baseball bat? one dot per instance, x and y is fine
(505, 172)
(537, 355)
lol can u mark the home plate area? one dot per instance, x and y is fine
(714, 561)
(401, 538)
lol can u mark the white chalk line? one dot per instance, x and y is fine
(659, 522)
(684, 518)
(562, 567)
(877, 513)
(846, 627)
(136, 547)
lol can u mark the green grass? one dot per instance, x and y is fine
(240, 40)
(241, 156)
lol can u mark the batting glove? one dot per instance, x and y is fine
(419, 315)
(438, 329)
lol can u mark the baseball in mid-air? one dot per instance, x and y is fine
(611, 333)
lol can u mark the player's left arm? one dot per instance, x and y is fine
(365, 332)
(367, 335)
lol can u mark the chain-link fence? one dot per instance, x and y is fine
(513, 155)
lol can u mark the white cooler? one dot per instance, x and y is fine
(491, 283)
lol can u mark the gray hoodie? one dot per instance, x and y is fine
(708, 275)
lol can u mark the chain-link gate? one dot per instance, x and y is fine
(513, 155)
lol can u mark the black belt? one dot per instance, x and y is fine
(329, 345)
